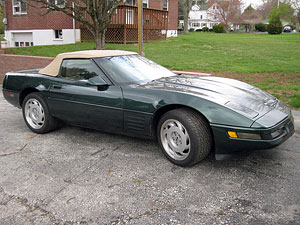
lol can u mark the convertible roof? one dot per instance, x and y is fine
(53, 68)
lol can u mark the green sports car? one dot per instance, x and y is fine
(125, 93)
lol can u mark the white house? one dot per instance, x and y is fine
(202, 16)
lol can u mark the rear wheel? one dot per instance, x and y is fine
(36, 114)
(184, 136)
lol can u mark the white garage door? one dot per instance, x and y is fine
(23, 39)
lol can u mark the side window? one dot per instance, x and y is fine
(79, 69)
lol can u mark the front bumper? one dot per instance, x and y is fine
(226, 147)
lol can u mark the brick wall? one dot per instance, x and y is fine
(19, 62)
(34, 19)
(156, 4)
(173, 15)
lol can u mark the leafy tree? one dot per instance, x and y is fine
(285, 11)
(266, 7)
(95, 15)
(275, 25)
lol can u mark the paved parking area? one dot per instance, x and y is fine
(79, 176)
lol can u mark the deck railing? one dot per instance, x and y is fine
(124, 25)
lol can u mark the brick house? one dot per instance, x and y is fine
(27, 26)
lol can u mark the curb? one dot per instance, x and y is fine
(191, 73)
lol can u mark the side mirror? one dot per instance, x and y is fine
(99, 82)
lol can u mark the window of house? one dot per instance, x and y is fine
(79, 69)
(58, 34)
(201, 17)
(203, 24)
(19, 7)
(21, 44)
(145, 3)
(59, 3)
(131, 2)
(196, 24)
(166, 5)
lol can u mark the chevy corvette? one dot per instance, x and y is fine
(123, 92)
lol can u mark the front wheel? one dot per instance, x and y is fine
(36, 114)
(184, 136)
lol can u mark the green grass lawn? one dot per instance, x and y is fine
(240, 53)
(270, 62)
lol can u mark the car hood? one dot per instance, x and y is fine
(236, 95)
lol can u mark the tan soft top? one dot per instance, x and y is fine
(53, 68)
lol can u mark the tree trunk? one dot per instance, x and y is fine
(100, 40)
(186, 11)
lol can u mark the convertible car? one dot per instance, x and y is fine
(123, 92)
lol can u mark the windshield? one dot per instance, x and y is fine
(132, 69)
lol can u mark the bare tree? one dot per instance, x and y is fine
(225, 11)
(265, 8)
(185, 6)
(95, 15)
(296, 5)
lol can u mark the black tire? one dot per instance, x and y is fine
(197, 136)
(44, 122)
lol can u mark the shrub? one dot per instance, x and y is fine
(275, 25)
(199, 30)
(220, 28)
(211, 30)
(205, 29)
(261, 27)
(191, 30)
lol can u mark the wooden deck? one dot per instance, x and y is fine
(124, 25)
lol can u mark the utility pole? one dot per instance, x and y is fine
(140, 27)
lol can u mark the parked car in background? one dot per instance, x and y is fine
(287, 29)
(122, 92)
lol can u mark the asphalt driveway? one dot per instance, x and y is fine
(79, 176)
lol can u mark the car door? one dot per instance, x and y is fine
(77, 97)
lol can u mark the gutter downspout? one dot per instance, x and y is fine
(4, 10)
(74, 24)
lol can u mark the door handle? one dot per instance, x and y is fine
(55, 86)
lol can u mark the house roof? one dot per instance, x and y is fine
(53, 68)
(199, 7)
